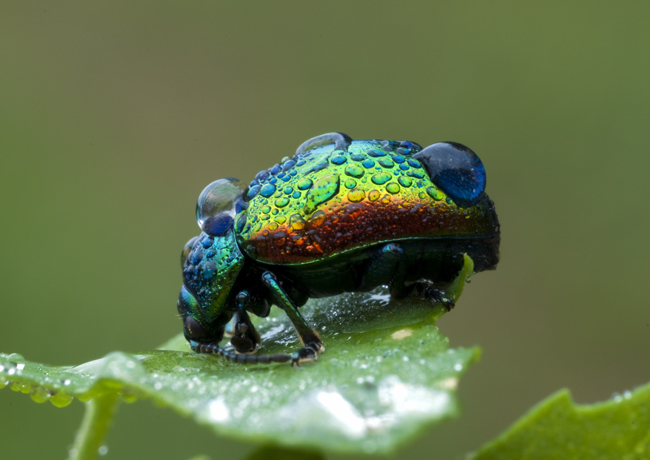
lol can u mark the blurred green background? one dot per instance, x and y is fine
(115, 115)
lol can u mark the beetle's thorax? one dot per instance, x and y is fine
(211, 270)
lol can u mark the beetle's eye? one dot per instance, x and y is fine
(215, 203)
(194, 328)
(456, 170)
(187, 249)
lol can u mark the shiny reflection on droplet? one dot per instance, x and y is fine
(187, 249)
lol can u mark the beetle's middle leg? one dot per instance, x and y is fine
(388, 266)
(312, 344)
(245, 338)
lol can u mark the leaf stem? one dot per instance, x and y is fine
(95, 424)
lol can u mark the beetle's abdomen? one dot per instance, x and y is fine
(325, 202)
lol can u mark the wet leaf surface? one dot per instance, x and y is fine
(386, 375)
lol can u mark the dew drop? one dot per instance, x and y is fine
(60, 399)
(380, 178)
(254, 190)
(350, 183)
(322, 191)
(392, 187)
(435, 193)
(40, 394)
(404, 181)
(304, 183)
(317, 219)
(217, 198)
(386, 162)
(373, 195)
(354, 171)
(282, 202)
(16, 358)
(241, 222)
(338, 159)
(267, 190)
(368, 163)
(297, 222)
(356, 195)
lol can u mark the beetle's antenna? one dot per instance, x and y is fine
(233, 357)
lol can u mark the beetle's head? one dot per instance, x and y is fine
(211, 263)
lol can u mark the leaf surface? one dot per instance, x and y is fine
(387, 374)
(618, 429)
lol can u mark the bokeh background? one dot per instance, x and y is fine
(115, 115)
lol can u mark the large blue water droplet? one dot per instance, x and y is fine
(218, 225)
(216, 198)
(456, 170)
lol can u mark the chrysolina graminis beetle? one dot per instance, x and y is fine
(339, 216)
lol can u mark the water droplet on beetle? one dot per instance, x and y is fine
(354, 171)
(304, 184)
(297, 222)
(380, 178)
(356, 195)
(392, 187)
(322, 191)
(350, 183)
(282, 202)
(216, 198)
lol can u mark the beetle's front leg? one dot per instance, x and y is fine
(312, 344)
(245, 338)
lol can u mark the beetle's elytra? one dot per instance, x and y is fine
(339, 216)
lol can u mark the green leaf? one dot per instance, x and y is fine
(618, 429)
(387, 374)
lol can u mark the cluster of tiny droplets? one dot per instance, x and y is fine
(325, 201)
(212, 267)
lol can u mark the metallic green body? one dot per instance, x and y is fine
(326, 202)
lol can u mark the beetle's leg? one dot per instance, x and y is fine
(452, 292)
(312, 344)
(388, 266)
(433, 295)
(245, 338)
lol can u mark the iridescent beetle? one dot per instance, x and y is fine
(340, 216)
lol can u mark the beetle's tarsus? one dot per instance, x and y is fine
(306, 354)
(233, 357)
